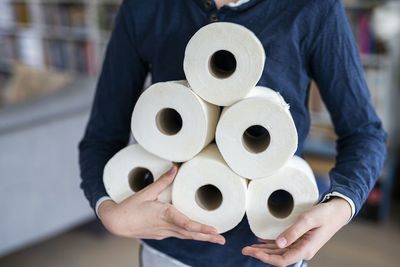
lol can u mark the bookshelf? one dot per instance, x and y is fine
(71, 36)
(65, 35)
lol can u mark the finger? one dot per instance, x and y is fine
(166, 234)
(171, 233)
(198, 236)
(288, 258)
(303, 248)
(269, 246)
(258, 254)
(153, 190)
(304, 223)
(265, 240)
(173, 216)
(295, 254)
(178, 235)
(218, 239)
(270, 250)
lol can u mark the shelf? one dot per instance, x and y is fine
(65, 32)
(96, 17)
(71, 34)
(362, 4)
(5, 68)
(375, 60)
(63, 1)
(52, 32)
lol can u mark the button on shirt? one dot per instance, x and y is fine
(303, 39)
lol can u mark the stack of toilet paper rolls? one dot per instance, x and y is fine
(251, 167)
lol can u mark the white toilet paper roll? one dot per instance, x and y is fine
(172, 122)
(207, 191)
(223, 62)
(275, 202)
(257, 135)
(132, 169)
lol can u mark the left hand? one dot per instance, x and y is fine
(302, 240)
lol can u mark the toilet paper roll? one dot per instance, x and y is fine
(132, 169)
(274, 203)
(223, 62)
(257, 135)
(207, 191)
(172, 122)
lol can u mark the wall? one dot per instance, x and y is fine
(39, 184)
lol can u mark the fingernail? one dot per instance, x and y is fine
(172, 170)
(246, 250)
(281, 242)
(220, 240)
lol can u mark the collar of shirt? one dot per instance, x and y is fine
(209, 5)
(238, 3)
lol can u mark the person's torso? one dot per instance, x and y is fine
(285, 28)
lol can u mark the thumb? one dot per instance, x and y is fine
(153, 190)
(303, 224)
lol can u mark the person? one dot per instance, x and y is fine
(303, 40)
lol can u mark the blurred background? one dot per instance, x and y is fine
(50, 57)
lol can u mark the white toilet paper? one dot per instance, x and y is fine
(207, 191)
(275, 202)
(223, 62)
(257, 135)
(172, 122)
(130, 170)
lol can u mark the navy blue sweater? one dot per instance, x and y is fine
(303, 39)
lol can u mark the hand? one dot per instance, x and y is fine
(143, 216)
(302, 240)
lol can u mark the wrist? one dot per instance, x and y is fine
(104, 211)
(342, 205)
(114, 218)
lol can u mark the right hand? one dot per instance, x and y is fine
(143, 216)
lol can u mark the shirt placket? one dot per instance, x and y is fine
(213, 14)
